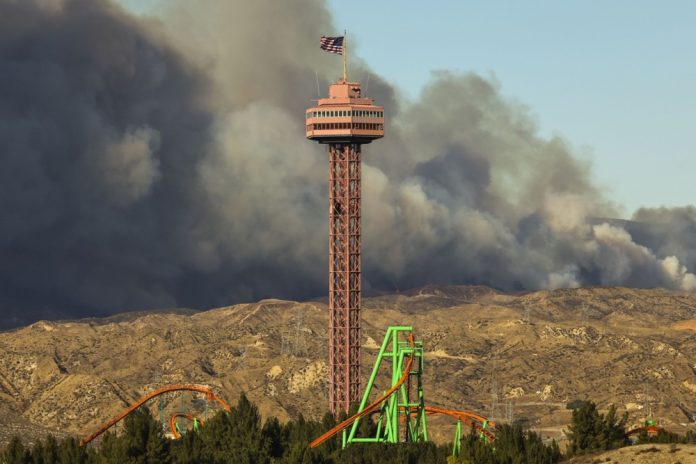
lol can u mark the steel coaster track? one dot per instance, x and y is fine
(210, 395)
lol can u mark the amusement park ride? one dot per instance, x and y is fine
(207, 391)
(401, 410)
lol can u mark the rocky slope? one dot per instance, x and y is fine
(510, 356)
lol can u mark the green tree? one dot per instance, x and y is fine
(111, 449)
(45, 452)
(236, 437)
(189, 449)
(273, 434)
(144, 441)
(614, 429)
(70, 452)
(15, 453)
(591, 431)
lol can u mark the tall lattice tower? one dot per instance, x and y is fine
(344, 121)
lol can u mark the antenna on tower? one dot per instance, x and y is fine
(316, 75)
(367, 84)
(345, 49)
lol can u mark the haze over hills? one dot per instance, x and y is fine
(509, 356)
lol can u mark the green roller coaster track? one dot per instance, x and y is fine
(401, 410)
(406, 404)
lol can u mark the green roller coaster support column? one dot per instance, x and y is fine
(405, 406)
(482, 436)
(457, 443)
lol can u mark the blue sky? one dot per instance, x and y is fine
(614, 78)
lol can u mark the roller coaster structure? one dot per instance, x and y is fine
(207, 391)
(401, 409)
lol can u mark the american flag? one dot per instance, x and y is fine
(332, 44)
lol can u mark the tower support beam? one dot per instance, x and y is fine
(344, 121)
(344, 275)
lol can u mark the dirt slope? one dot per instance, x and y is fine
(642, 454)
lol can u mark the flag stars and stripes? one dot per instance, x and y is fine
(332, 44)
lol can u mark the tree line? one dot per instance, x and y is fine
(242, 438)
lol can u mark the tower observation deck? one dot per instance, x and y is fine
(344, 121)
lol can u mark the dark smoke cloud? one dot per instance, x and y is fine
(152, 163)
(101, 127)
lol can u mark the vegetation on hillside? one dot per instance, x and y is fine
(241, 438)
(592, 431)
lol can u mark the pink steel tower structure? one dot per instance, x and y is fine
(344, 121)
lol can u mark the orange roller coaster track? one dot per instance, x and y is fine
(478, 422)
(207, 391)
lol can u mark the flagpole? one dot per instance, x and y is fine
(345, 48)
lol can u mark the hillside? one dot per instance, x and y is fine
(642, 454)
(509, 356)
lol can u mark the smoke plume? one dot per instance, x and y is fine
(148, 163)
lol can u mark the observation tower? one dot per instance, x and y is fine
(344, 121)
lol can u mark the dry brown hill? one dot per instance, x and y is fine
(642, 454)
(511, 356)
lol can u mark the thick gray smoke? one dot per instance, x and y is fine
(157, 163)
